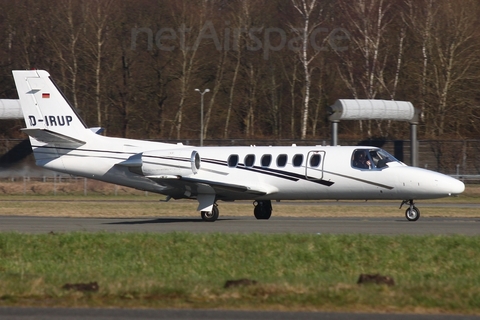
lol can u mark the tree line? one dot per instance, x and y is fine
(272, 66)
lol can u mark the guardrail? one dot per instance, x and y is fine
(57, 184)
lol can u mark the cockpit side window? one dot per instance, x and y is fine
(381, 158)
(376, 158)
(361, 159)
(371, 159)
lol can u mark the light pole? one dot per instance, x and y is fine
(201, 114)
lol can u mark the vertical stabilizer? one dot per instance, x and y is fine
(48, 115)
(54, 127)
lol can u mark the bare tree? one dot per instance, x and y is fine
(97, 16)
(311, 19)
(191, 23)
(447, 37)
(363, 69)
(419, 18)
(64, 37)
(455, 52)
(291, 76)
(241, 18)
(426, 51)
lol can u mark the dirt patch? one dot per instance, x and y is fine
(375, 279)
(239, 283)
(82, 287)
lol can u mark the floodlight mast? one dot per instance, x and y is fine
(201, 114)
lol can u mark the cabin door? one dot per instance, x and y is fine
(314, 165)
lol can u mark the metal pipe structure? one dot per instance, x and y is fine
(10, 109)
(376, 110)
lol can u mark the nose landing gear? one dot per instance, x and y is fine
(412, 213)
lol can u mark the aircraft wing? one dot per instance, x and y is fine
(222, 189)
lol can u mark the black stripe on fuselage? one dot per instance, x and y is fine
(361, 180)
(273, 172)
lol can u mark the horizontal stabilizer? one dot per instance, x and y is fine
(97, 130)
(47, 136)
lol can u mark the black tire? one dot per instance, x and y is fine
(263, 210)
(413, 215)
(210, 216)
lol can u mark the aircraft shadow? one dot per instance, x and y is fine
(164, 220)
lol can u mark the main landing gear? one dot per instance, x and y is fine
(211, 216)
(412, 213)
(263, 209)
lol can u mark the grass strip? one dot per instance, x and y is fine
(294, 272)
(112, 207)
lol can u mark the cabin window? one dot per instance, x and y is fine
(315, 160)
(249, 160)
(282, 160)
(233, 160)
(297, 160)
(266, 160)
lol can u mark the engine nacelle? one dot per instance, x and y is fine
(175, 162)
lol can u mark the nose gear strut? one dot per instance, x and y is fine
(412, 213)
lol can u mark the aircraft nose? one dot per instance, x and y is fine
(456, 187)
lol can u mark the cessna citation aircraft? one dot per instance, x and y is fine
(61, 142)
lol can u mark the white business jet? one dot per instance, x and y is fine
(61, 142)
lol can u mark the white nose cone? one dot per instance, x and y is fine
(456, 187)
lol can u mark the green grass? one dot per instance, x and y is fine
(294, 272)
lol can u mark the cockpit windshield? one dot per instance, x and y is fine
(371, 159)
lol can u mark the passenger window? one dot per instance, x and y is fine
(249, 160)
(233, 160)
(297, 160)
(282, 160)
(266, 160)
(315, 160)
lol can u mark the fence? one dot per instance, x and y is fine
(459, 158)
(56, 184)
(453, 157)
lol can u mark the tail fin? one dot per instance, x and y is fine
(48, 115)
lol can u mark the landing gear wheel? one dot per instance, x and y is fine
(263, 209)
(412, 213)
(210, 216)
